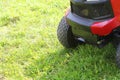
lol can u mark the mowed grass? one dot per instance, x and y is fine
(29, 49)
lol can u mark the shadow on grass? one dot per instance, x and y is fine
(6, 20)
(83, 63)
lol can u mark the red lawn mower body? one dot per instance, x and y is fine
(106, 27)
(92, 20)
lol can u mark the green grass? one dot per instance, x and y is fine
(30, 50)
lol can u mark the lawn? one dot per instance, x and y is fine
(29, 49)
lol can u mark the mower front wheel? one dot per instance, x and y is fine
(118, 55)
(65, 35)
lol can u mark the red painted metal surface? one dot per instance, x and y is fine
(106, 27)
(116, 7)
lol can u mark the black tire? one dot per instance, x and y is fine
(118, 56)
(115, 43)
(65, 35)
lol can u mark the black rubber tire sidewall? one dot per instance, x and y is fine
(118, 55)
(65, 35)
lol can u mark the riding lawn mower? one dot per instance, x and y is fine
(95, 22)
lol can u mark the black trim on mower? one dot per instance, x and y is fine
(99, 9)
(81, 27)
